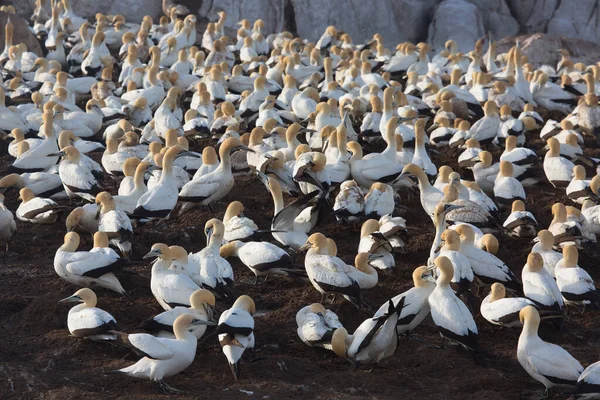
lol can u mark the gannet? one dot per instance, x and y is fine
(127, 202)
(507, 189)
(236, 332)
(394, 230)
(214, 272)
(580, 189)
(170, 288)
(162, 357)
(498, 309)
(520, 222)
(557, 168)
(8, 227)
(202, 304)
(37, 210)
(115, 223)
(575, 284)
(84, 218)
(262, 258)
(374, 340)
(87, 321)
(237, 225)
(463, 273)
(89, 269)
(77, 177)
(487, 267)
(538, 284)
(290, 225)
(588, 384)
(547, 363)
(38, 159)
(430, 196)
(316, 325)
(373, 242)
(329, 274)
(379, 201)
(215, 185)
(471, 212)
(161, 200)
(416, 305)
(451, 316)
(349, 203)
(565, 231)
(544, 248)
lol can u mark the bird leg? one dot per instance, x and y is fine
(540, 395)
(580, 309)
(372, 368)
(419, 339)
(169, 389)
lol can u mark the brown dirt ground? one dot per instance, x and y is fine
(38, 358)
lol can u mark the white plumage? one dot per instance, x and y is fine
(85, 320)
(588, 384)
(547, 363)
(449, 313)
(236, 331)
(36, 210)
(88, 269)
(416, 305)
(316, 325)
(500, 310)
(538, 284)
(162, 357)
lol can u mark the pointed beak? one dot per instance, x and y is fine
(208, 233)
(242, 148)
(71, 299)
(455, 207)
(433, 127)
(263, 178)
(198, 322)
(428, 277)
(57, 154)
(305, 246)
(152, 253)
(186, 153)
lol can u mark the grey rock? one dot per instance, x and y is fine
(22, 34)
(444, 27)
(542, 49)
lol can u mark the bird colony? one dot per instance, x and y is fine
(124, 125)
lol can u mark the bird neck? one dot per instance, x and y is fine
(530, 328)
(215, 241)
(277, 200)
(138, 178)
(440, 227)
(181, 332)
(367, 269)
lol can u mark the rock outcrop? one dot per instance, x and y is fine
(396, 20)
(22, 34)
(542, 49)
(133, 10)
(444, 25)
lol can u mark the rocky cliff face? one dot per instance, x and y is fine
(397, 20)
(22, 34)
